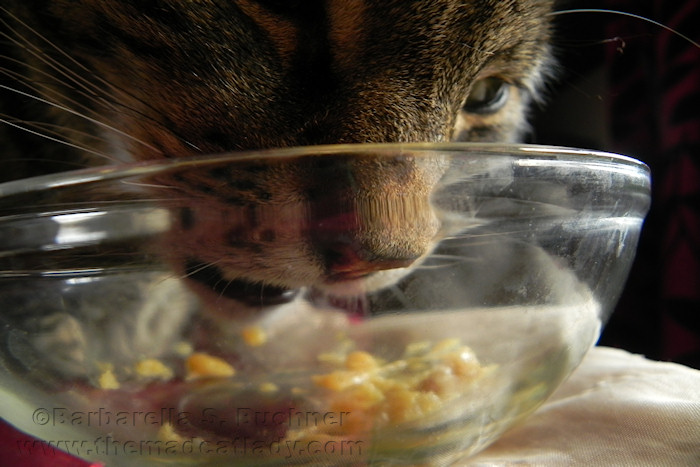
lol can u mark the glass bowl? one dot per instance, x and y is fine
(335, 305)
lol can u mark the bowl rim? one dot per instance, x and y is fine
(143, 168)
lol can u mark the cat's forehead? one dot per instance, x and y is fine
(357, 19)
(239, 74)
(345, 33)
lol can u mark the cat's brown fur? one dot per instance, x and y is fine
(167, 79)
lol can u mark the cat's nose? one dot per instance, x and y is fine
(369, 214)
(350, 248)
(348, 261)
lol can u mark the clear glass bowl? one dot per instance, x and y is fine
(368, 304)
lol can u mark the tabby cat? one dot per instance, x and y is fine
(89, 82)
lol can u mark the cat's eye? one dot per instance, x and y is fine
(488, 96)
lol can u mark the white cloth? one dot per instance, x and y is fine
(617, 409)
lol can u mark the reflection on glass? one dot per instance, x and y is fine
(371, 303)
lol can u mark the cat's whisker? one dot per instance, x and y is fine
(434, 267)
(199, 269)
(443, 259)
(149, 185)
(477, 262)
(222, 294)
(472, 236)
(48, 90)
(90, 86)
(78, 114)
(57, 140)
(57, 130)
(469, 240)
(631, 15)
(41, 55)
(21, 41)
(77, 82)
(34, 84)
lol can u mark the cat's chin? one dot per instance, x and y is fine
(253, 292)
(247, 298)
(352, 287)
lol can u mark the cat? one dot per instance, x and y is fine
(122, 81)
(85, 83)
(179, 78)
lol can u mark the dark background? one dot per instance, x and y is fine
(632, 87)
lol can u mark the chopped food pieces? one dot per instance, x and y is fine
(378, 393)
(202, 365)
(152, 368)
(254, 336)
(107, 380)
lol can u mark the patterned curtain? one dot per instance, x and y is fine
(655, 116)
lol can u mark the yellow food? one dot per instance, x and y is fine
(183, 349)
(201, 365)
(153, 369)
(359, 393)
(360, 361)
(107, 380)
(268, 388)
(254, 336)
(167, 433)
(377, 393)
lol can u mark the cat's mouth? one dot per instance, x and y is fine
(249, 293)
(344, 295)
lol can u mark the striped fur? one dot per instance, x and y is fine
(208, 76)
(141, 80)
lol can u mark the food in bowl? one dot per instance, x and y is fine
(161, 328)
